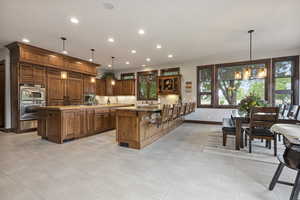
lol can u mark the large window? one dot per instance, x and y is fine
(284, 76)
(225, 85)
(235, 81)
(205, 85)
(147, 85)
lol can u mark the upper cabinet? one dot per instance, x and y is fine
(32, 74)
(38, 56)
(105, 87)
(101, 87)
(169, 85)
(75, 88)
(89, 85)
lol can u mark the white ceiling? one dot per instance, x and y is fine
(190, 30)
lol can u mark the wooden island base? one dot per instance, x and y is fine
(135, 129)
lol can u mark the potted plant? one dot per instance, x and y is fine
(250, 102)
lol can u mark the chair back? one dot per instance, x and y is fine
(179, 106)
(286, 110)
(175, 110)
(183, 108)
(293, 112)
(263, 117)
(281, 109)
(194, 107)
(165, 113)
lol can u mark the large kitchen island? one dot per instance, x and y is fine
(137, 127)
(61, 123)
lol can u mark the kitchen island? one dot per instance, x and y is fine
(61, 123)
(138, 127)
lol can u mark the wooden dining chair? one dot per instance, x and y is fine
(261, 120)
(194, 107)
(183, 108)
(229, 128)
(165, 113)
(179, 106)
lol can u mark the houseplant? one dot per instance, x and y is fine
(249, 102)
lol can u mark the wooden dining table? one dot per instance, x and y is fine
(242, 119)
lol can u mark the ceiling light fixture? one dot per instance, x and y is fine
(170, 56)
(143, 65)
(148, 59)
(133, 51)
(127, 62)
(92, 55)
(74, 20)
(158, 46)
(109, 65)
(64, 51)
(141, 32)
(111, 39)
(25, 40)
(113, 82)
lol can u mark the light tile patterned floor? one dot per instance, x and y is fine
(96, 168)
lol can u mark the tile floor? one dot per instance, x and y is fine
(96, 168)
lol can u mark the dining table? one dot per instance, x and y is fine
(242, 120)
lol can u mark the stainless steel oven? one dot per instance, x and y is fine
(31, 97)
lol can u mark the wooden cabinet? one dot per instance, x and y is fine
(71, 124)
(169, 85)
(55, 88)
(101, 87)
(101, 120)
(127, 87)
(75, 88)
(109, 86)
(89, 85)
(90, 121)
(32, 74)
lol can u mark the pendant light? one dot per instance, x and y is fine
(64, 51)
(113, 82)
(92, 55)
(247, 72)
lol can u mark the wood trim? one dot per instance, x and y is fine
(203, 122)
(212, 87)
(127, 74)
(2, 62)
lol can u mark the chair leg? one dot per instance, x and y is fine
(242, 140)
(246, 140)
(275, 145)
(296, 188)
(266, 143)
(250, 145)
(276, 176)
(224, 139)
(279, 137)
(270, 144)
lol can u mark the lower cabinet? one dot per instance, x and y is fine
(60, 125)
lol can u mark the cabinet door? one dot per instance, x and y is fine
(71, 124)
(109, 87)
(89, 86)
(117, 88)
(39, 75)
(26, 73)
(112, 119)
(101, 87)
(75, 88)
(55, 88)
(90, 118)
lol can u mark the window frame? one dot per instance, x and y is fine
(294, 78)
(138, 85)
(127, 74)
(199, 68)
(175, 69)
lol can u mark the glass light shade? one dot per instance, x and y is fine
(247, 73)
(237, 75)
(262, 73)
(64, 75)
(93, 79)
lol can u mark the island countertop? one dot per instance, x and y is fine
(74, 107)
(142, 108)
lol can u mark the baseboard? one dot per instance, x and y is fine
(6, 130)
(203, 122)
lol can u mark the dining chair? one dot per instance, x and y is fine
(293, 112)
(281, 109)
(286, 111)
(261, 120)
(183, 108)
(229, 128)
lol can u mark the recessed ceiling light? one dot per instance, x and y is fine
(133, 51)
(158, 46)
(141, 32)
(64, 52)
(74, 20)
(170, 56)
(148, 59)
(127, 62)
(143, 65)
(111, 39)
(25, 40)
(109, 65)
(91, 60)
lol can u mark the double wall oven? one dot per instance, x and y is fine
(31, 97)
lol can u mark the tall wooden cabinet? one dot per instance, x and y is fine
(75, 88)
(101, 87)
(121, 87)
(56, 90)
(89, 85)
(32, 74)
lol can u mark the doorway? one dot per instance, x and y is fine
(2, 94)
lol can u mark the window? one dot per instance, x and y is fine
(285, 73)
(170, 71)
(237, 80)
(147, 85)
(205, 85)
(127, 76)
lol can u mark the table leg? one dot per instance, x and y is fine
(238, 134)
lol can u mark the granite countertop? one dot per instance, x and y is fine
(142, 108)
(74, 107)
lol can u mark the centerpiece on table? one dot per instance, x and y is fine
(250, 102)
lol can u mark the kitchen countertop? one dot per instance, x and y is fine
(74, 107)
(142, 108)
